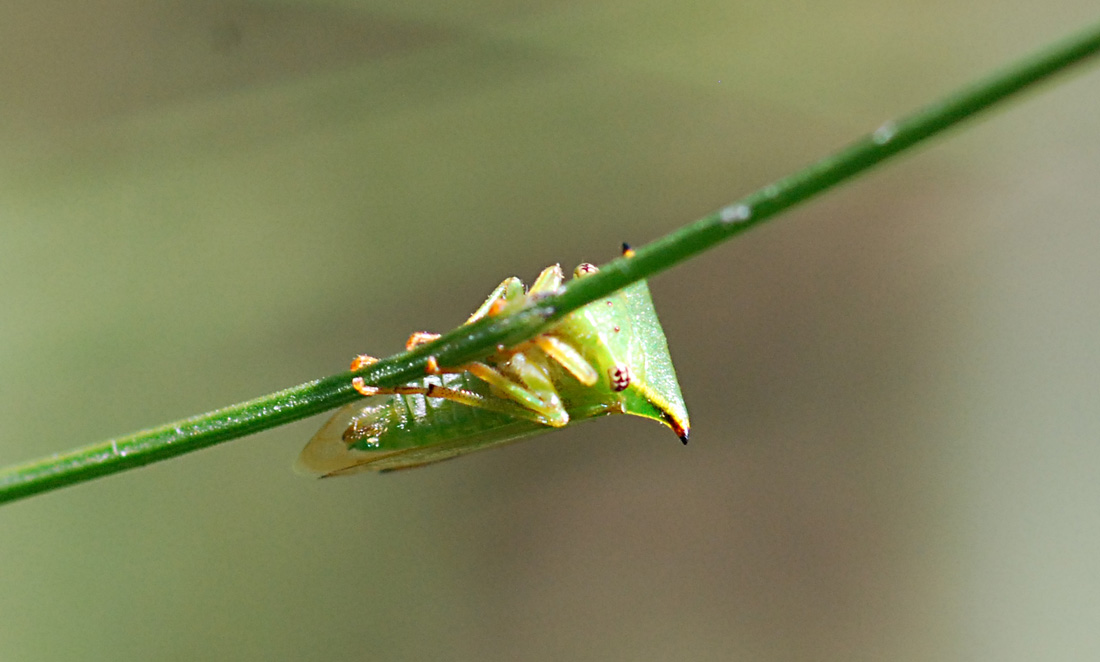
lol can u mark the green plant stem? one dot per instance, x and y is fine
(474, 341)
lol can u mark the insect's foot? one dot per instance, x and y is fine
(362, 361)
(555, 418)
(420, 338)
(361, 386)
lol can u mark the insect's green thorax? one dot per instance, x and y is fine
(622, 332)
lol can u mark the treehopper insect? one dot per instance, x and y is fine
(608, 357)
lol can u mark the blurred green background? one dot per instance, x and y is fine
(896, 435)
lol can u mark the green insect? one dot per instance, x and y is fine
(609, 357)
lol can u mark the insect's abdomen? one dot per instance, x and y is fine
(401, 431)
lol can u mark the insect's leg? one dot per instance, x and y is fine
(420, 338)
(358, 383)
(510, 293)
(510, 289)
(518, 407)
(536, 392)
(534, 376)
(471, 399)
(362, 361)
(548, 281)
(568, 357)
(550, 413)
(491, 403)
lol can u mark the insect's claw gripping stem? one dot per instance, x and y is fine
(358, 383)
(432, 367)
(420, 338)
(361, 386)
(497, 307)
(362, 361)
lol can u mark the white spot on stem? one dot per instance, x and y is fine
(735, 214)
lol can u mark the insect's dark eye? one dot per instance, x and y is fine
(619, 377)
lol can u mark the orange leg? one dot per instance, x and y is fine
(568, 357)
(543, 401)
(420, 338)
(358, 383)
(520, 402)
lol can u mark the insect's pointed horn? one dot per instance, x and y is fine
(679, 427)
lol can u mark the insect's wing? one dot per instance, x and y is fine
(390, 432)
(327, 453)
(417, 456)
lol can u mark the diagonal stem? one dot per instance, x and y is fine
(476, 340)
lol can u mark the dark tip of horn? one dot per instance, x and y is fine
(626, 247)
(684, 437)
